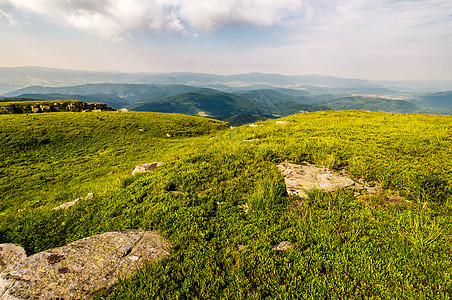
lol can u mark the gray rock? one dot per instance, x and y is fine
(73, 202)
(9, 254)
(241, 247)
(8, 109)
(301, 178)
(146, 167)
(283, 246)
(83, 267)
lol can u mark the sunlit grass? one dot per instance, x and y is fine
(344, 247)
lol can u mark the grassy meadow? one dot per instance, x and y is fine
(344, 247)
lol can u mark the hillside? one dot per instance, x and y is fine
(225, 106)
(443, 99)
(127, 92)
(222, 203)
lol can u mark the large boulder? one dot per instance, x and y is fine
(301, 178)
(9, 254)
(146, 167)
(83, 267)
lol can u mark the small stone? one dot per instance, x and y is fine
(284, 245)
(89, 196)
(241, 247)
(245, 207)
(146, 167)
(282, 122)
(123, 110)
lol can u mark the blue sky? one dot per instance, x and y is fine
(370, 39)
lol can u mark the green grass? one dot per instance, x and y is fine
(343, 247)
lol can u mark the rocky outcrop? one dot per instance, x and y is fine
(20, 107)
(146, 167)
(9, 254)
(301, 178)
(83, 267)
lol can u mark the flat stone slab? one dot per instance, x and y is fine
(301, 178)
(83, 267)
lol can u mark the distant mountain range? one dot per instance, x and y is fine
(12, 79)
(235, 98)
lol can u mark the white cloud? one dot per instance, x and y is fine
(114, 17)
(11, 20)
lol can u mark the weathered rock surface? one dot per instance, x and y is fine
(283, 246)
(9, 254)
(72, 203)
(301, 178)
(77, 270)
(146, 167)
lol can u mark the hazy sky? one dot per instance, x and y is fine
(371, 39)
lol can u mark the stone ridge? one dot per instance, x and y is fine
(49, 106)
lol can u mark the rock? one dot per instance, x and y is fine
(244, 207)
(36, 109)
(283, 246)
(83, 267)
(9, 254)
(146, 167)
(254, 125)
(300, 178)
(89, 196)
(72, 203)
(168, 135)
(241, 247)
(45, 108)
(282, 122)
(9, 109)
(395, 198)
(123, 109)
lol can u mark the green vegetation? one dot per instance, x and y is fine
(381, 104)
(231, 195)
(235, 109)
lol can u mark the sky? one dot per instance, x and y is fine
(369, 39)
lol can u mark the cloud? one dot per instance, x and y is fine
(112, 18)
(9, 18)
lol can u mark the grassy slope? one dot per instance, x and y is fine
(343, 247)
